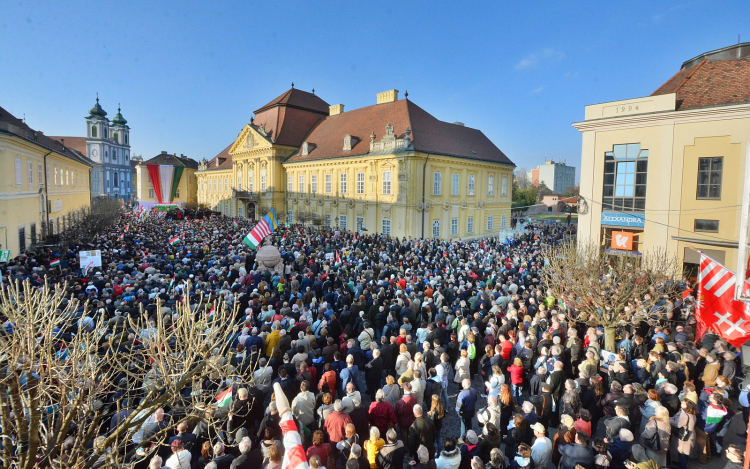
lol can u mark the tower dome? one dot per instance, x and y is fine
(97, 110)
(118, 119)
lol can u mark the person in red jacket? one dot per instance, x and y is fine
(405, 409)
(381, 413)
(507, 347)
(516, 379)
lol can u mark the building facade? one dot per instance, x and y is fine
(42, 185)
(167, 179)
(667, 170)
(107, 145)
(557, 176)
(390, 168)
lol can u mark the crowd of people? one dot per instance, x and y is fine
(427, 353)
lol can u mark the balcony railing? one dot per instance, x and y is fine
(244, 195)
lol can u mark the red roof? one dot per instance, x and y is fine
(429, 134)
(298, 98)
(76, 143)
(226, 164)
(710, 83)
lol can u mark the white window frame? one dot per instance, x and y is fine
(19, 171)
(435, 228)
(314, 183)
(343, 183)
(250, 184)
(437, 183)
(327, 220)
(239, 211)
(30, 170)
(328, 184)
(360, 183)
(342, 222)
(387, 182)
(360, 223)
(239, 181)
(301, 180)
(41, 173)
(454, 226)
(290, 217)
(456, 184)
(289, 183)
(470, 225)
(503, 221)
(262, 180)
(504, 189)
(490, 186)
(386, 227)
(471, 188)
(151, 194)
(490, 222)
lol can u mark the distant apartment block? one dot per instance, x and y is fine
(559, 177)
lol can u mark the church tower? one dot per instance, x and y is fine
(97, 133)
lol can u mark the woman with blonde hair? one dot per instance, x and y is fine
(391, 390)
(657, 425)
(505, 400)
(403, 359)
(462, 369)
(437, 413)
(372, 447)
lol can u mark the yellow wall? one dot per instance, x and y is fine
(675, 140)
(22, 205)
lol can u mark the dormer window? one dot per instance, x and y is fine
(347, 143)
(305, 149)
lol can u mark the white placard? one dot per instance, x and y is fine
(329, 256)
(57, 205)
(87, 257)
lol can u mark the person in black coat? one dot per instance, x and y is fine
(515, 437)
(374, 373)
(249, 458)
(391, 456)
(421, 432)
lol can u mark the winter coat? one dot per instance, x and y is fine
(665, 431)
(461, 370)
(391, 456)
(382, 414)
(448, 459)
(681, 419)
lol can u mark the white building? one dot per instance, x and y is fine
(107, 145)
(557, 176)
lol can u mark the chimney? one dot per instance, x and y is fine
(388, 96)
(459, 123)
(335, 110)
(163, 152)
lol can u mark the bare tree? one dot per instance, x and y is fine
(303, 217)
(85, 223)
(61, 373)
(315, 219)
(521, 176)
(600, 289)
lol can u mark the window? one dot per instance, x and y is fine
(151, 194)
(360, 223)
(177, 193)
(33, 233)
(490, 186)
(30, 175)
(471, 184)
(22, 239)
(226, 208)
(454, 226)
(117, 137)
(342, 222)
(126, 142)
(503, 222)
(437, 183)
(114, 156)
(490, 222)
(470, 225)
(710, 226)
(387, 175)
(239, 181)
(328, 220)
(239, 211)
(314, 183)
(302, 183)
(226, 184)
(201, 184)
(55, 176)
(114, 180)
(456, 184)
(342, 183)
(93, 131)
(505, 187)
(105, 132)
(40, 173)
(289, 183)
(436, 228)
(386, 231)
(250, 180)
(290, 217)
(709, 178)
(360, 183)
(625, 169)
(19, 175)
(328, 183)
(262, 180)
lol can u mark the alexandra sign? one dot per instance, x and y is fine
(623, 219)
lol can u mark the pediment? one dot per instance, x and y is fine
(250, 138)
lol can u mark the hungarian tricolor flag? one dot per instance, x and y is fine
(87, 269)
(212, 314)
(55, 263)
(236, 225)
(265, 227)
(716, 308)
(224, 399)
(174, 241)
(121, 237)
(127, 227)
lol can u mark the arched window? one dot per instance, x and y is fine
(126, 138)
(93, 131)
(117, 137)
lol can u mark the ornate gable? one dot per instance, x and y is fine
(252, 137)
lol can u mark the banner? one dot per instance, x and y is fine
(716, 308)
(176, 182)
(153, 175)
(165, 177)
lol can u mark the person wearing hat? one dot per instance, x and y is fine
(541, 450)
(180, 458)
(469, 449)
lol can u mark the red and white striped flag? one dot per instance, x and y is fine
(716, 308)
(294, 453)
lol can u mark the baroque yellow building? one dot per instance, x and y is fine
(389, 168)
(42, 185)
(667, 170)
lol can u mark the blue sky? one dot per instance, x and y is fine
(189, 74)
